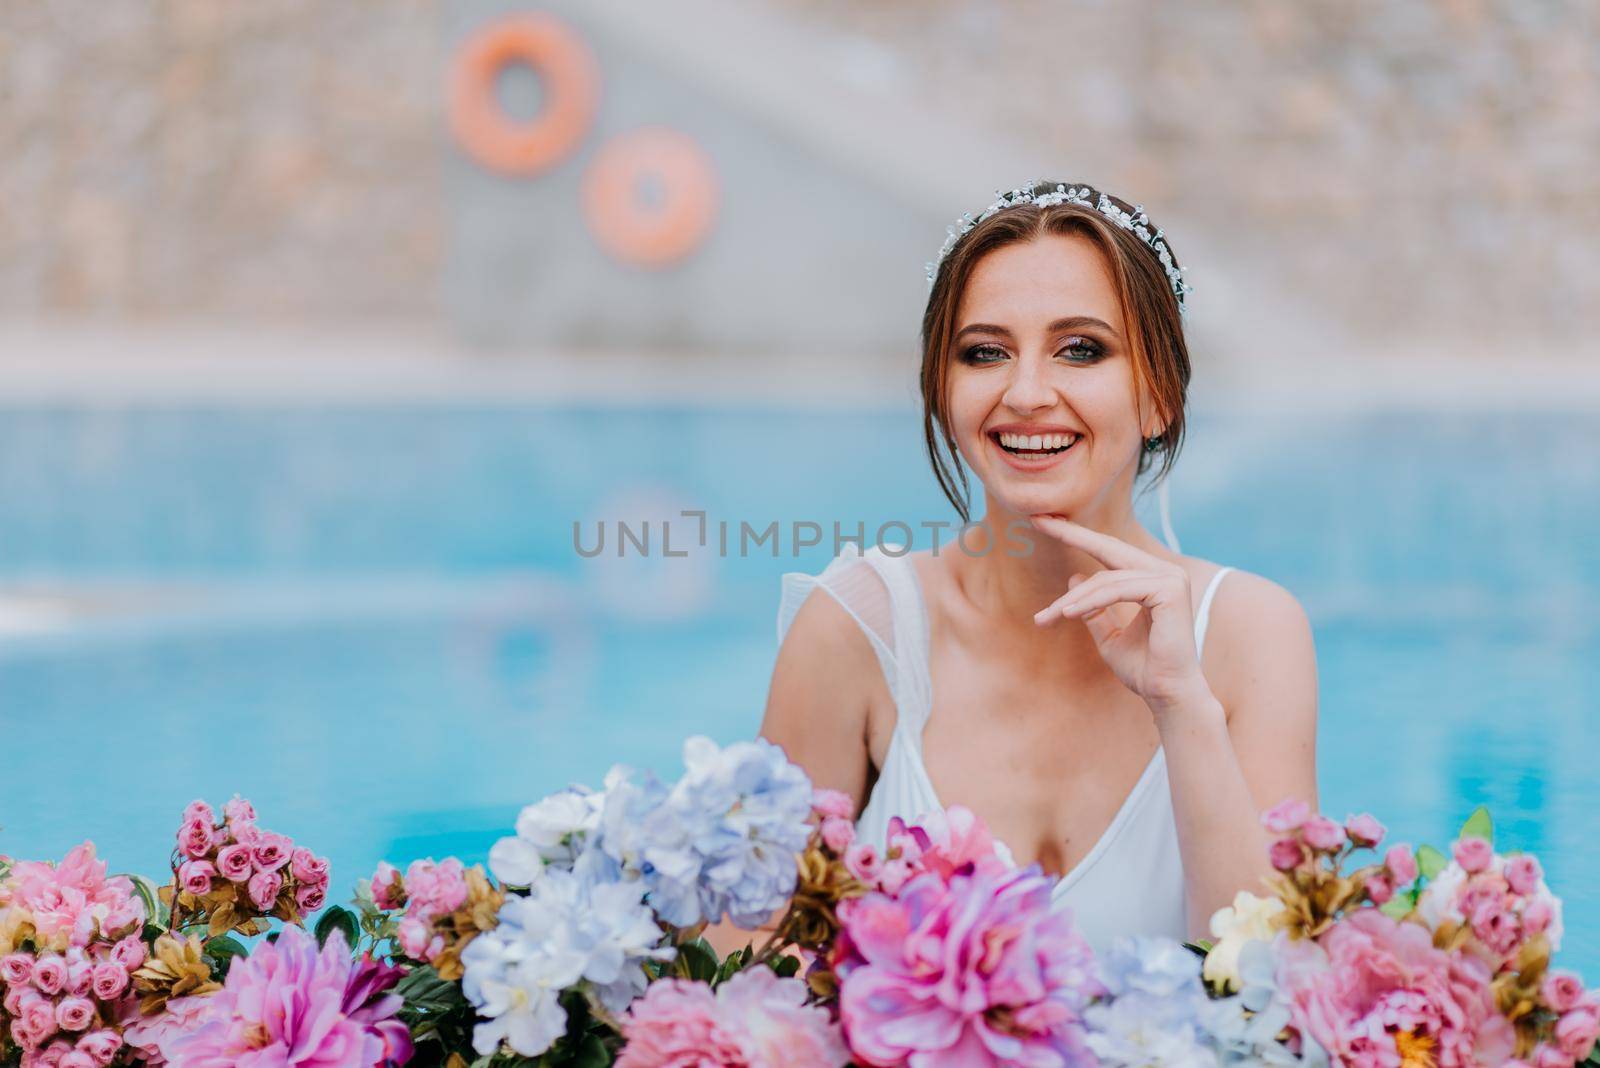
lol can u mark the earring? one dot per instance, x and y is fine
(1152, 444)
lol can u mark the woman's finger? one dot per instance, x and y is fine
(1109, 550)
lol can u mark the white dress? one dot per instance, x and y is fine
(1131, 882)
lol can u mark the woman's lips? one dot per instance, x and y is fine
(1041, 462)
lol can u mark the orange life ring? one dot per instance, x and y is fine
(642, 233)
(567, 72)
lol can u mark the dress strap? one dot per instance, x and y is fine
(1203, 617)
(912, 699)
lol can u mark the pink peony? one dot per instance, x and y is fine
(151, 1034)
(436, 888)
(289, 1004)
(754, 1019)
(1369, 977)
(1286, 816)
(1473, 854)
(976, 970)
(195, 876)
(827, 802)
(74, 902)
(944, 842)
(233, 863)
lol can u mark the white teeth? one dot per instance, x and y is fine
(1036, 442)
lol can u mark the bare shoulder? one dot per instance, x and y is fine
(824, 683)
(1258, 641)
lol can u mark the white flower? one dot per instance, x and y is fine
(553, 830)
(563, 932)
(1248, 919)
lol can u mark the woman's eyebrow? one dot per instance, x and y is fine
(1071, 322)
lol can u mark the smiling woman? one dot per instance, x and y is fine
(1065, 692)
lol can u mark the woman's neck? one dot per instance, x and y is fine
(1012, 581)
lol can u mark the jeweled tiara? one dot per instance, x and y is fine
(1136, 222)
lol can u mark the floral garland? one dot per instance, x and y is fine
(581, 945)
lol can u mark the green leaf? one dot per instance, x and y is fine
(149, 897)
(698, 960)
(786, 966)
(224, 948)
(1396, 907)
(338, 918)
(1478, 825)
(591, 1053)
(1430, 862)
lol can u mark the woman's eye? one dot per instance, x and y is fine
(1084, 350)
(983, 354)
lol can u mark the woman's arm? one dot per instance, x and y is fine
(817, 705)
(1228, 764)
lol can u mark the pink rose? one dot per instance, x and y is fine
(1536, 916)
(74, 1013)
(39, 1018)
(417, 939)
(1323, 834)
(388, 888)
(130, 952)
(1286, 854)
(863, 861)
(307, 867)
(838, 833)
(1548, 1056)
(195, 876)
(1473, 854)
(50, 1056)
(80, 974)
(272, 851)
(832, 803)
(50, 974)
(239, 810)
(1364, 830)
(101, 1046)
(196, 838)
(199, 810)
(1402, 865)
(76, 1058)
(310, 897)
(1522, 873)
(1561, 990)
(15, 996)
(233, 863)
(1576, 1032)
(245, 832)
(110, 980)
(263, 889)
(16, 968)
(1379, 888)
(1286, 816)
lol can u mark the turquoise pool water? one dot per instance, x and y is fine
(373, 622)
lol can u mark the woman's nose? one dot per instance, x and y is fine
(1028, 389)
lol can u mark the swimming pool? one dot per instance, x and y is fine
(372, 620)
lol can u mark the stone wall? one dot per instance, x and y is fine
(276, 158)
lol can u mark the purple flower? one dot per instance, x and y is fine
(289, 1004)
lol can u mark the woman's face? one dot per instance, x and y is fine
(1041, 390)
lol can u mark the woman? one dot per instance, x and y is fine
(1112, 709)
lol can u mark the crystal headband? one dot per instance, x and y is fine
(1137, 222)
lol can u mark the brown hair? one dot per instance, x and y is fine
(1149, 307)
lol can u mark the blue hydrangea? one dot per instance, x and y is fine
(1245, 1027)
(1154, 1008)
(722, 841)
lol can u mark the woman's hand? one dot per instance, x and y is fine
(1150, 649)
